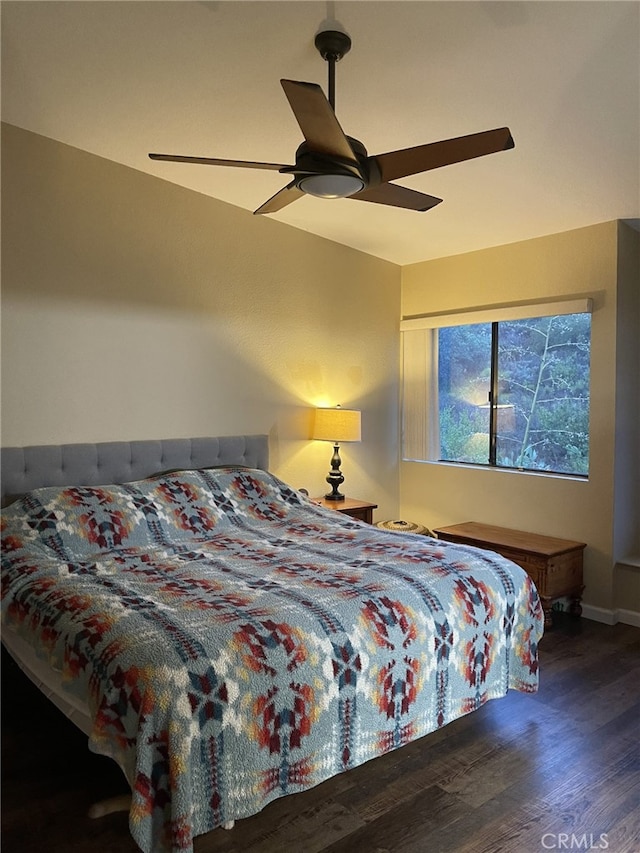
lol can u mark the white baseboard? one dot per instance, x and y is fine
(611, 617)
(599, 614)
(629, 617)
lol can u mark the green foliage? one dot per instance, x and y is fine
(527, 459)
(461, 436)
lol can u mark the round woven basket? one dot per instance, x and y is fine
(404, 527)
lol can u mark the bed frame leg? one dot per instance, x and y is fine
(121, 803)
(229, 824)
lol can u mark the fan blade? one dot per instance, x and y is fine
(423, 158)
(397, 196)
(211, 161)
(281, 199)
(317, 120)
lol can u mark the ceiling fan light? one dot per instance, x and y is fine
(331, 186)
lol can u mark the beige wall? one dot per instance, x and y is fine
(133, 308)
(582, 262)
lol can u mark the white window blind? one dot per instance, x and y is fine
(420, 438)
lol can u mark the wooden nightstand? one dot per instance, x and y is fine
(554, 565)
(350, 506)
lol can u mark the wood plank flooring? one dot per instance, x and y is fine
(556, 771)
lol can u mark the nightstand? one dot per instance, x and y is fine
(351, 507)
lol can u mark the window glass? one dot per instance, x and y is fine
(539, 384)
(464, 380)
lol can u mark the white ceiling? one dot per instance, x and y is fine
(121, 79)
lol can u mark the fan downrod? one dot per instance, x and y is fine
(332, 46)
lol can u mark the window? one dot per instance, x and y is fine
(509, 393)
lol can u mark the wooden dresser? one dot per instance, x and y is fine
(554, 565)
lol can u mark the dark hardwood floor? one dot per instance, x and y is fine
(556, 771)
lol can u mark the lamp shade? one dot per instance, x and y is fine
(337, 425)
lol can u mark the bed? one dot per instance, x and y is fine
(228, 642)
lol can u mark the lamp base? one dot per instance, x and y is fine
(334, 477)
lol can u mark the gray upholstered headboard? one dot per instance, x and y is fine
(26, 468)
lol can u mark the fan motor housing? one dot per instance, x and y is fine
(307, 158)
(314, 166)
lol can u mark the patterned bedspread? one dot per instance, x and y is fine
(236, 643)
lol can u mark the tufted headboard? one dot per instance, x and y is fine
(26, 468)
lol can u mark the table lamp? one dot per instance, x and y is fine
(336, 425)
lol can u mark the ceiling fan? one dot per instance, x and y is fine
(330, 164)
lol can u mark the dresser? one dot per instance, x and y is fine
(554, 565)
